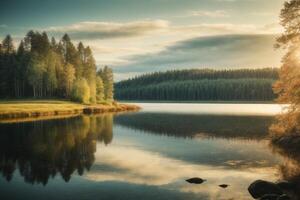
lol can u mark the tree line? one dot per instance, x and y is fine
(200, 84)
(44, 68)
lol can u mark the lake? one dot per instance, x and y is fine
(143, 155)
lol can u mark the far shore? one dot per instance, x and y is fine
(28, 110)
(186, 101)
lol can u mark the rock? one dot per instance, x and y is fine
(285, 185)
(259, 188)
(195, 180)
(269, 197)
(223, 185)
(284, 197)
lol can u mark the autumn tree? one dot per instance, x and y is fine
(288, 85)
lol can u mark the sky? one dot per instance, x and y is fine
(141, 36)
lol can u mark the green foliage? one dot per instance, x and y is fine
(107, 76)
(69, 75)
(81, 91)
(100, 89)
(35, 72)
(42, 68)
(200, 85)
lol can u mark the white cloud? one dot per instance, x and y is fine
(227, 28)
(213, 14)
(102, 30)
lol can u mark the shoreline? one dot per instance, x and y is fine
(199, 102)
(28, 110)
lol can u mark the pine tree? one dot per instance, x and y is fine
(35, 73)
(107, 76)
(90, 72)
(100, 89)
(8, 67)
(69, 77)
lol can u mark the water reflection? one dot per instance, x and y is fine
(286, 142)
(43, 149)
(289, 169)
(142, 160)
(191, 125)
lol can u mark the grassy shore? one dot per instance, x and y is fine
(16, 109)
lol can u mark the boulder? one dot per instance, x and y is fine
(259, 188)
(284, 197)
(269, 197)
(285, 185)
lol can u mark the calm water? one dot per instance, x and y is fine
(144, 155)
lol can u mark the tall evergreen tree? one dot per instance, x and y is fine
(100, 89)
(7, 67)
(90, 72)
(69, 75)
(108, 82)
(35, 73)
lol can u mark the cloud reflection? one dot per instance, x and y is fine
(148, 168)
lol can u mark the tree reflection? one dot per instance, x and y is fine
(190, 125)
(286, 142)
(290, 168)
(43, 149)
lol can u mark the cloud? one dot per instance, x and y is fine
(213, 14)
(223, 51)
(106, 30)
(205, 29)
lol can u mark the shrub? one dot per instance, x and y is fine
(81, 91)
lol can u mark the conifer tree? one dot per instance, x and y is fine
(100, 89)
(44, 68)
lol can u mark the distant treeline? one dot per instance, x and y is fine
(43, 68)
(200, 84)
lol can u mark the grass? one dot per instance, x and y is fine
(10, 109)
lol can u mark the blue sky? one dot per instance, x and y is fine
(138, 36)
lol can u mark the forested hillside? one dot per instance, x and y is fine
(43, 68)
(200, 84)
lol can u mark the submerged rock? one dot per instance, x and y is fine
(223, 185)
(259, 188)
(195, 180)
